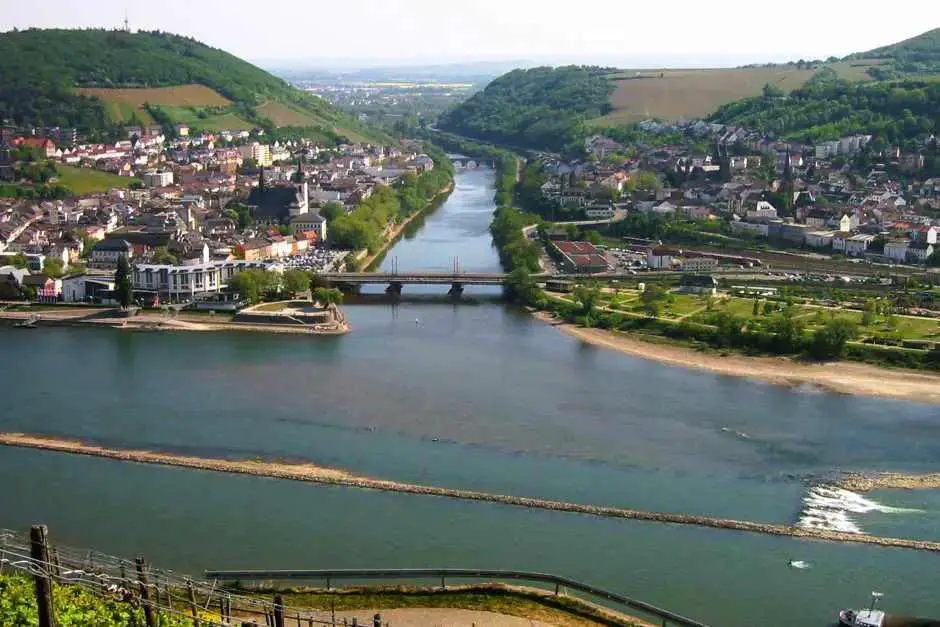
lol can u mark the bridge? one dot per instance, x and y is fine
(396, 280)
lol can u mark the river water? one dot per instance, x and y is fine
(475, 395)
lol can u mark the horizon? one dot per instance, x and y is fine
(399, 34)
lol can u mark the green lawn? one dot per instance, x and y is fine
(88, 181)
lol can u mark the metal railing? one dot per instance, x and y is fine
(665, 616)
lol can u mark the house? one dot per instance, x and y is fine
(857, 245)
(311, 221)
(157, 178)
(762, 211)
(896, 249)
(926, 234)
(848, 223)
(701, 284)
(920, 252)
(108, 251)
(664, 208)
(182, 130)
(47, 289)
(816, 218)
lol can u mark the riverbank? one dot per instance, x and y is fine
(81, 318)
(866, 482)
(837, 376)
(312, 473)
(393, 234)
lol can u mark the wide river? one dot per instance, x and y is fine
(474, 395)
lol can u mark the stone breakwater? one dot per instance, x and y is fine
(331, 476)
(866, 482)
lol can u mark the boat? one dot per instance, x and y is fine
(869, 617)
(862, 618)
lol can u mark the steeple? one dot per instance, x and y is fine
(261, 179)
(299, 177)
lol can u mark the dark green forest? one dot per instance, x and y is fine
(916, 56)
(825, 108)
(541, 108)
(40, 68)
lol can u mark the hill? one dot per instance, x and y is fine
(540, 108)
(96, 79)
(916, 56)
(828, 108)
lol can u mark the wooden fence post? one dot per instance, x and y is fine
(377, 620)
(278, 611)
(193, 608)
(149, 617)
(39, 551)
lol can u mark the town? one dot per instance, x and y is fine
(188, 212)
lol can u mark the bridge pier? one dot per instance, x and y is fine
(456, 289)
(394, 288)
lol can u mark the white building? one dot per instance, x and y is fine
(699, 264)
(819, 239)
(897, 250)
(184, 283)
(157, 178)
(857, 245)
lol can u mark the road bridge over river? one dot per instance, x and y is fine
(396, 280)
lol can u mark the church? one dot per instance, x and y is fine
(286, 205)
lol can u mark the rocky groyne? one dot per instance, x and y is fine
(331, 476)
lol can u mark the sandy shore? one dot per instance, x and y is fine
(843, 377)
(329, 476)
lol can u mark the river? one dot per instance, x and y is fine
(475, 395)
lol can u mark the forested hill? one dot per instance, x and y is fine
(40, 69)
(541, 108)
(915, 56)
(824, 108)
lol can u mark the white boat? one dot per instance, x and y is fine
(862, 618)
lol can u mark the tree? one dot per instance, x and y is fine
(829, 341)
(163, 256)
(587, 295)
(772, 91)
(651, 298)
(520, 287)
(296, 281)
(593, 236)
(571, 230)
(19, 260)
(122, 283)
(53, 267)
(331, 211)
(327, 296)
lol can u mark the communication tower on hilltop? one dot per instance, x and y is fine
(127, 27)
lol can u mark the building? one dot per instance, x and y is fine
(79, 288)
(261, 153)
(47, 289)
(182, 130)
(660, 258)
(581, 257)
(187, 283)
(108, 251)
(157, 178)
(920, 252)
(307, 222)
(857, 245)
(896, 249)
(699, 263)
(819, 239)
(701, 284)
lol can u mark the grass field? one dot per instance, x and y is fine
(283, 115)
(209, 121)
(87, 181)
(122, 103)
(691, 93)
(671, 94)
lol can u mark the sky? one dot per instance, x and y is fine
(333, 34)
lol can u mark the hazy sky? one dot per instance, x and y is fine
(624, 32)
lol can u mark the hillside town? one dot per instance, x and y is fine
(733, 187)
(195, 210)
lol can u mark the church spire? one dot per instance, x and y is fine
(261, 179)
(299, 178)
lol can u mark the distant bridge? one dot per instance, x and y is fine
(396, 280)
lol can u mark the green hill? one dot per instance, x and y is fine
(42, 72)
(541, 108)
(912, 57)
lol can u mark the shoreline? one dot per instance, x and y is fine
(312, 473)
(399, 229)
(157, 323)
(840, 377)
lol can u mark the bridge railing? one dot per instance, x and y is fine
(663, 616)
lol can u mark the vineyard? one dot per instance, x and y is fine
(59, 586)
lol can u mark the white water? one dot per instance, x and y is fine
(829, 507)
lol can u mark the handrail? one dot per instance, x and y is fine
(443, 573)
